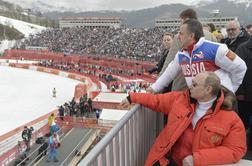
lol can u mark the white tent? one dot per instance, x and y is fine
(110, 97)
(111, 116)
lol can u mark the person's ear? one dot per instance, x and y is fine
(192, 35)
(209, 89)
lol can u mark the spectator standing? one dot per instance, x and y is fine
(54, 128)
(244, 93)
(61, 112)
(97, 113)
(90, 104)
(54, 144)
(73, 106)
(167, 41)
(51, 119)
(26, 136)
(249, 29)
(235, 35)
(179, 82)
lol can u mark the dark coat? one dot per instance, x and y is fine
(25, 134)
(160, 63)
(234, 44)
(245, 52)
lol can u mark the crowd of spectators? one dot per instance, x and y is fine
(72, 108)
(104, 73)
(128, 43)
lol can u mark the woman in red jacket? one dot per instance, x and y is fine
(202, 128)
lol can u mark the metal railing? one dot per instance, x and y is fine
(35, 155)
(12, 141)
(128, 143)
(71, 155)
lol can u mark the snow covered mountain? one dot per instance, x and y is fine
(21, 26)
(43, 5)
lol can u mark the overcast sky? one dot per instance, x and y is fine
(115, 4)
(105, 4)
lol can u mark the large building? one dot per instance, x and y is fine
(174, 23)
(90, 22)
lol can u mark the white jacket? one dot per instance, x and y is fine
(206, 56)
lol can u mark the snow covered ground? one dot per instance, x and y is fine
(5, 44)
(5, 62)
(27, 95)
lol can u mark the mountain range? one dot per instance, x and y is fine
(146, 17)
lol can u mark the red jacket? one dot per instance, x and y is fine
(219, 137)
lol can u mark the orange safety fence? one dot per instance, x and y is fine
(102, 61)
(137, 68)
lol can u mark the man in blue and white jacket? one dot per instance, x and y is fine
(199, 55)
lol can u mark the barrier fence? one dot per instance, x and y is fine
(127, 143)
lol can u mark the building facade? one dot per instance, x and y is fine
(174, 23)
(90, 22)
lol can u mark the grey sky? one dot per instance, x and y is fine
(87, 5)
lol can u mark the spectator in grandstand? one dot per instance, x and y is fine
(199, 55)
(249, 29)
(122, 42)
(42, 151)
(215, 32)
(90, 104)
(179, 82)
(73, 106)
(61, 112)
(167, 41)
(212, 27)
(54, 128)
(51, 119)
(219, 36)
(244, 93)
(235, 35)
(21, 155)
(81, 105)
(84, 110)
(206, 27)
(19, 149)
(202, 127)
(54, 144)
(26, 136)
(97, 113)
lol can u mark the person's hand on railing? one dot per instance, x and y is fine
(150, 90)
(125, 103)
